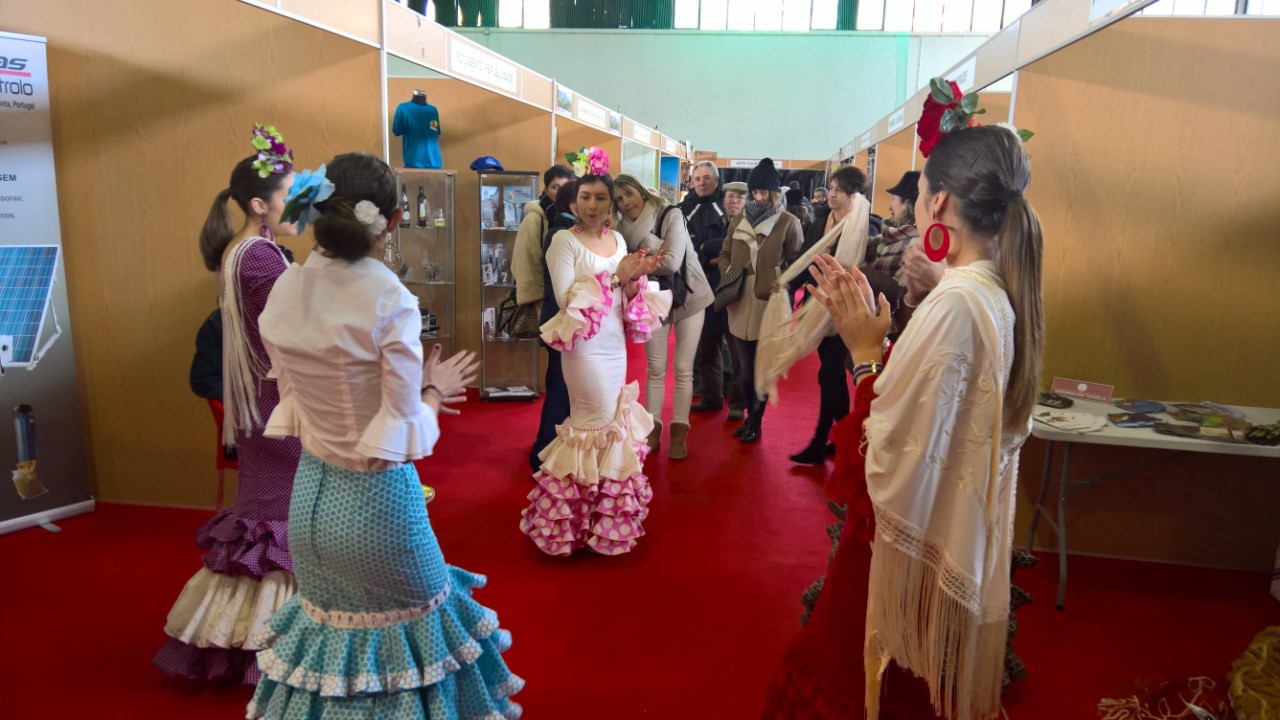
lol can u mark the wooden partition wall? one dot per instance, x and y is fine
(474, 122)
(153, 103)
(1154, 177)
(893, 157)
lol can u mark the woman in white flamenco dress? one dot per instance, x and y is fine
(591, 489)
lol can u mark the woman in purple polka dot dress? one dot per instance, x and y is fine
(247, 571)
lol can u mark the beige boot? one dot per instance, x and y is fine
(655, 438)
(679, 450)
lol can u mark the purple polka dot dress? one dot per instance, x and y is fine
(247, 571)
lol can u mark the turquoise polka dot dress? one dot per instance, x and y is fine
(381, 627)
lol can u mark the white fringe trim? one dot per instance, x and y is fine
(925, 615)
(241, 368)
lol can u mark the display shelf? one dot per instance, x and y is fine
(422, 250)
(505, 362)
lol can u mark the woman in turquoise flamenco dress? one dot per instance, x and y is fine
(380, 628)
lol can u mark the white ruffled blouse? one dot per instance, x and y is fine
(344, 347)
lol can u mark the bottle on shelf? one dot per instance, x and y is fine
(404, 207)
(422, 207)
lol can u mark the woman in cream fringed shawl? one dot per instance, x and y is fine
(921, 612)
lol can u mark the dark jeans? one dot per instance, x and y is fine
(746, 351)
(833, 387)
(712, 372)
(555, 408)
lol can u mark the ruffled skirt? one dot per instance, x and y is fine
(247, 573)
(591, 489)
(381, 627)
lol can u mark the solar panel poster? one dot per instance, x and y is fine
(42, 445)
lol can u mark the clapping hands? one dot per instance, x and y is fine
(863, 323)
(449, 378)
(639, 263)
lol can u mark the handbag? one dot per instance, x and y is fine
(676, 282)
(730, 287)
(518, 321)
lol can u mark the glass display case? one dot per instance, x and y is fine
(508, 365)
(421, 252)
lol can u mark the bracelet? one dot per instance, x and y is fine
(862, 370)
(906, 302)
(615, 281)
(433, 389)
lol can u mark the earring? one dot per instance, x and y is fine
(939, 253)
(265, 230)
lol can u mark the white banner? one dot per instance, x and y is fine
(37, 361)
(478, 64)
(743, 163)
(965, 75)
(593, 114)
(897, 120)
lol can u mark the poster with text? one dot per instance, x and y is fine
(43, 472)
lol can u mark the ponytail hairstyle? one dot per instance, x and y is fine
(355, 177)
(986, 170)
(245, 185)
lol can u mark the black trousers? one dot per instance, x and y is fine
(833, 387)
(746, 350)
(711, 365)
(555, 407)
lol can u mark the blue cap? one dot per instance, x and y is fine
(488, 162)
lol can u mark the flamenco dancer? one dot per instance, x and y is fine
(591, 489)
(381, 627)
(247, 571)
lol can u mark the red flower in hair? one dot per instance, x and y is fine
(929, 128)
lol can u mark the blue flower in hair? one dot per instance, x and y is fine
(308, 189)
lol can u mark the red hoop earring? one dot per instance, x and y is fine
(944, 244)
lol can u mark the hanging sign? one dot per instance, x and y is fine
(478, 64)
(564, 101)
(965, 75)
(592, 114)
(671, 146)
(700, 155)
(743, 163)
(42, 474)
(897, 120)
(641, 134)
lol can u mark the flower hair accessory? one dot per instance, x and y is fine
(370, 217)
(589, 161)
(274, 157)
(308, 189)
(946, 110)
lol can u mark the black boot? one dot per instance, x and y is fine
(813, 454)
(751, 431)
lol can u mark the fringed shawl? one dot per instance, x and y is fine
(784, 339)
(941, 472)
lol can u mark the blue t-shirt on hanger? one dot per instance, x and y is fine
(419, 125)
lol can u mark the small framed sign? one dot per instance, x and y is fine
(1082, 390)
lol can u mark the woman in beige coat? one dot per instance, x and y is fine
(763, 240)
(648, 222)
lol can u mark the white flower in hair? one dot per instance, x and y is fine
(369, 216)
(1022, 135)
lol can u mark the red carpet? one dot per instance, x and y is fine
(690, 625)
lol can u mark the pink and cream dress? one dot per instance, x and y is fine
(591, 489)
